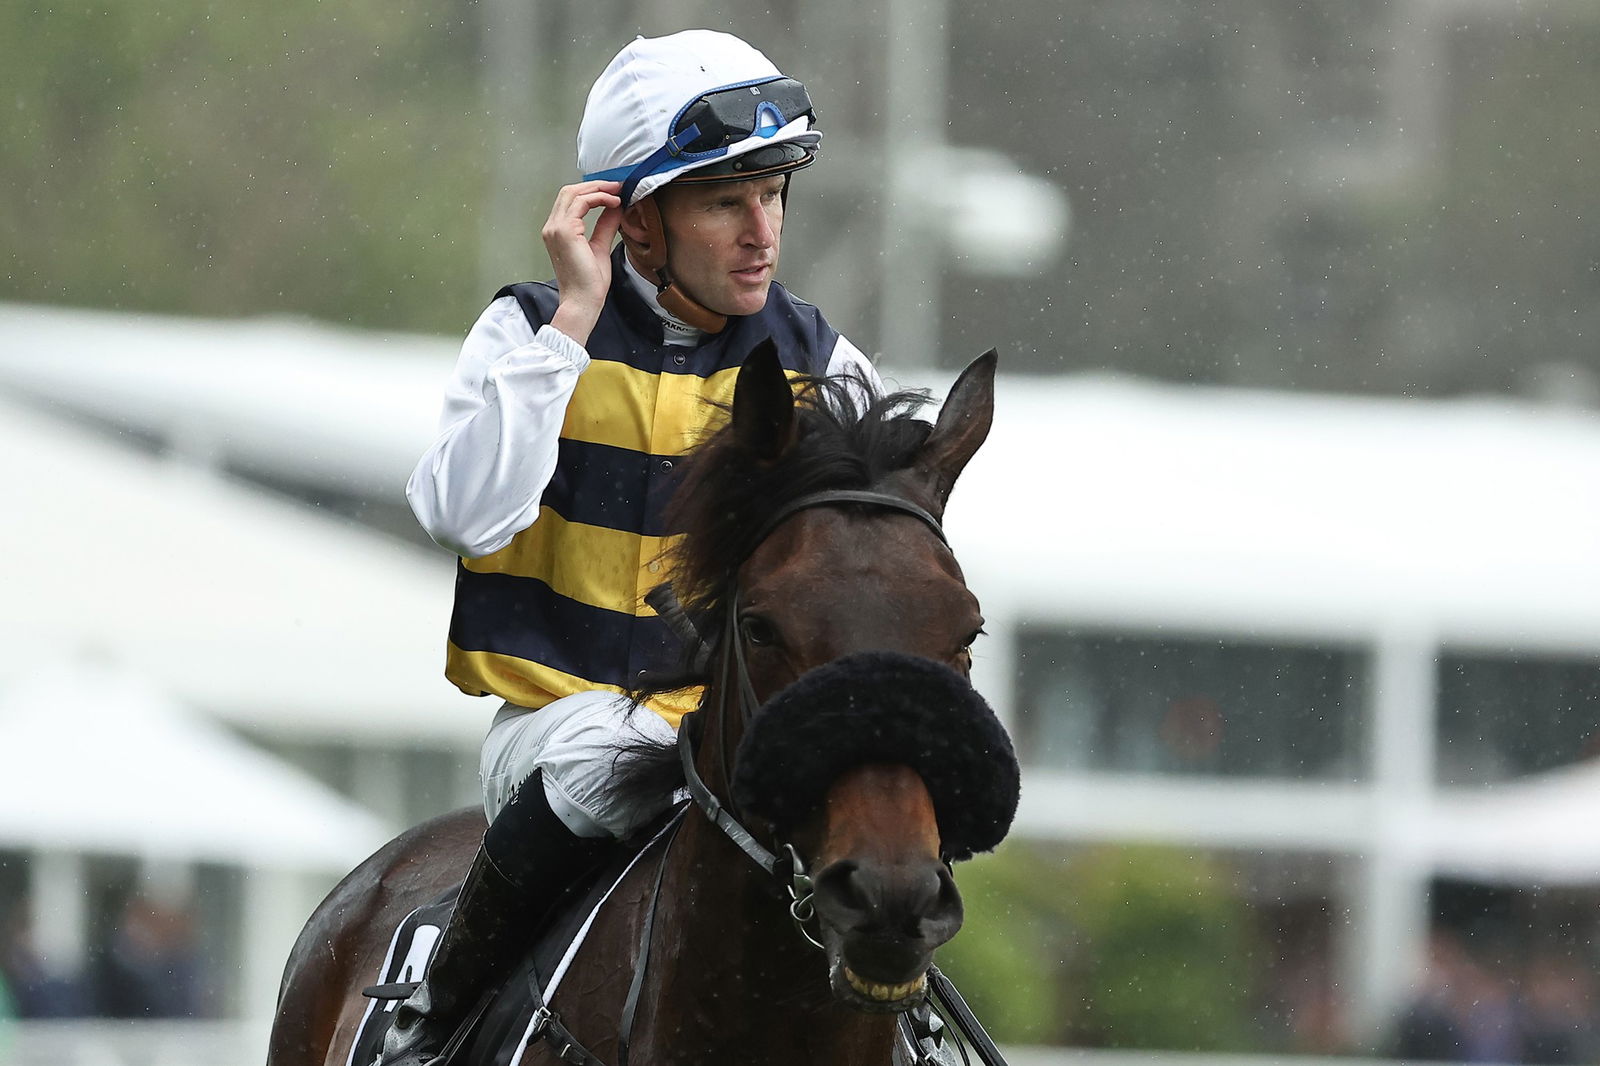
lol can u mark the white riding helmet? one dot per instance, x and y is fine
(693, 106)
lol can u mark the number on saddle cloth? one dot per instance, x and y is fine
(500, 1026)
(410, 951)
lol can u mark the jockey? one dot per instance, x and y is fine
(571, 403)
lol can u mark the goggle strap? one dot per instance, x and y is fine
(685, 137)
(663, 158)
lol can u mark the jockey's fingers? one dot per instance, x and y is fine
(596, 183)
(567, 218)
(577, 200)
(605, 227)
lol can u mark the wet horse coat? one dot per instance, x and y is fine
(729, 979)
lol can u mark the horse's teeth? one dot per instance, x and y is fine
(881, 992)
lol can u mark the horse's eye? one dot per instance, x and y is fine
(757, 631)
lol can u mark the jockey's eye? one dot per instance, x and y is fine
(757, 631)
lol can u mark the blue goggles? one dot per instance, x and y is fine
(705, 126)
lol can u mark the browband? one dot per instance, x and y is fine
(866, 496)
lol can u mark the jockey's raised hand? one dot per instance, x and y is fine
(582, 261)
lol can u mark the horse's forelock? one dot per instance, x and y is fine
(848, 436)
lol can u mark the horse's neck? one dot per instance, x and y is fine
(734, 981)
(731, 981)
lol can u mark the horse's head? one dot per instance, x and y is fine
(830, 580)
(815, 551)
(883, 767)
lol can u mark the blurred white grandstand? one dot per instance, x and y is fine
(209, 561)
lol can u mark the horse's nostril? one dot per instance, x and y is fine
(923, 891)
(933, 906)
(949, 894)
(945, 916)
(909, 901)
(843, 885)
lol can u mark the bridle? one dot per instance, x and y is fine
(921, 1029)
(789, 869)
(735, 672)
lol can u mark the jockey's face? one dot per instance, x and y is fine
(722, 240)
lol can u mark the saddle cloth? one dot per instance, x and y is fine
(498, 1033)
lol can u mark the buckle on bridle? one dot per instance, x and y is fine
(802, 907)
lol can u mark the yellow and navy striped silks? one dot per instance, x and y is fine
(561, 608)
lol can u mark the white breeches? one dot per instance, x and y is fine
(574, 742)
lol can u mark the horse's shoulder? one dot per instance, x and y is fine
(457, 833)
(412, 868)
(423, 860)
(346, 935)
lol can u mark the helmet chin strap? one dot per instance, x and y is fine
(651, 259)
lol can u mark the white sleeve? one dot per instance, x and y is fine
(479, 484)
(847, 358)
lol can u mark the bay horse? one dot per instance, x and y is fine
(812, 554)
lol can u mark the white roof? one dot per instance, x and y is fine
(1536, 830)
(1139, 504)
(345, 408)
(237, 603)
(96, 760)
(1096, 501)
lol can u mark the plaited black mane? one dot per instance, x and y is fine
(847, 436)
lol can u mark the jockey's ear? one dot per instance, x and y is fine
(642, 232)
(763, 404)
(963, 424)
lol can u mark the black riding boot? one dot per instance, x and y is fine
(528, 858)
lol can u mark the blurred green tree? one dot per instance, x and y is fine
(191, 156)
(1130, 947)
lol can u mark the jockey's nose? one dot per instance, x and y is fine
(760, 231)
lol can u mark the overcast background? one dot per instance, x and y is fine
(1291, 563)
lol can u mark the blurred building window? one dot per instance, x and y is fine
(1335, 60)
(1132, 702)
(1505, 716)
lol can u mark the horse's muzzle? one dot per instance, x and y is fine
(884, 922)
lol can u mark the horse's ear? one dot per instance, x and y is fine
(963, 424)
(763, 403)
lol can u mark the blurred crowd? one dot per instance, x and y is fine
(1470, 1009)
(147, 967)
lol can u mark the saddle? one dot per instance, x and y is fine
(497, 1031)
